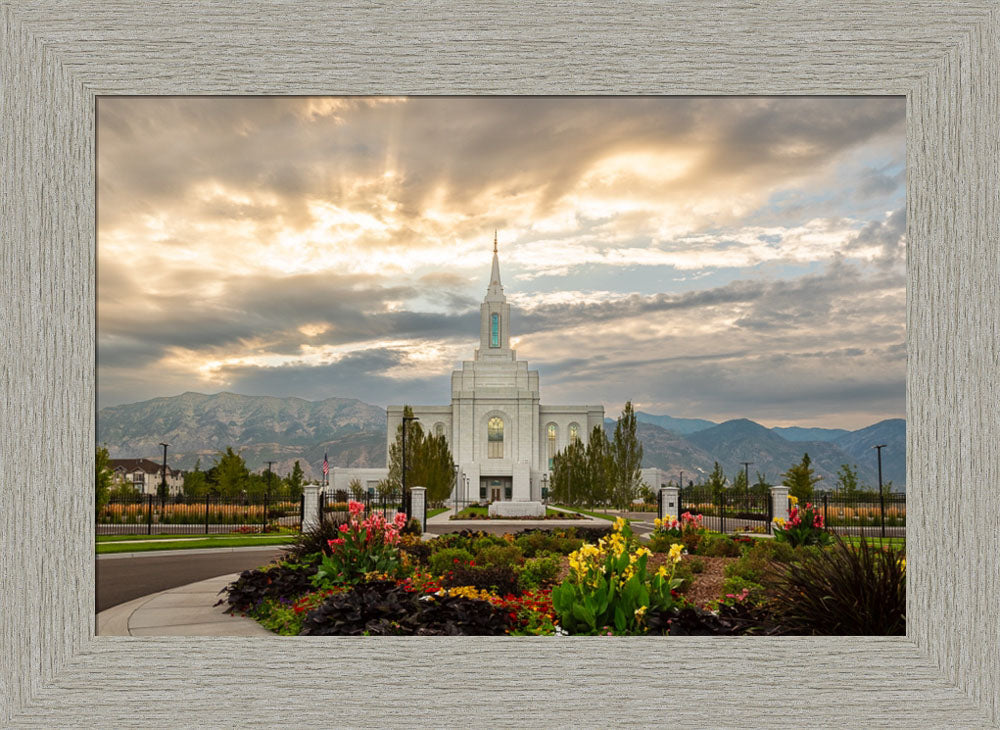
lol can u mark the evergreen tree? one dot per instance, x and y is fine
(231, 475)
(716, 481)
(801, 479)
(760, 488)
(414, 438)
(195, 483)
(102, 478)
(740, 486)
(627, 458)
(295, 481)
(357, 491)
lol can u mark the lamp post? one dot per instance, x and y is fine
(545, 487)
(268, 484)
(163, 476)
(465, 492)
(457, 469)
(402, 467)
(881, 496)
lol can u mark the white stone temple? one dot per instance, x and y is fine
(501, 437)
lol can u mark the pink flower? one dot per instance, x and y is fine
(355, 508)
(335, 542)
(344, 528)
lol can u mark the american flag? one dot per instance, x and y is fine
(326, 465)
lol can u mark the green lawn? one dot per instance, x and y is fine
(182, 542)
(589, 513)
(435, 511)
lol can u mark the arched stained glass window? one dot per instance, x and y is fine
(553, 432)
(494, 437)
(439, 429)
(494, 330)
(574, 433)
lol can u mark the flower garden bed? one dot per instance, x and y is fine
(365, 577)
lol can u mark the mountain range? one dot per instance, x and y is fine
(352, 433)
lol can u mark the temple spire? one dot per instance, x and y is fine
(495, 274)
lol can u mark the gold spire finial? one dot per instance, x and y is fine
(494, 240)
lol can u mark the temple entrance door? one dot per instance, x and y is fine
(498, 488)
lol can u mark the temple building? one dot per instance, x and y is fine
(501, 437)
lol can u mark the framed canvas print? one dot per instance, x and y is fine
(939, 66)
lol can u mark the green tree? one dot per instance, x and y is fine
(195, 483)
(716, 481)
(232, 477)
(800, 479)
(599, 467)
(429, 462)
(295, 481)
(102, 478)
(357, 491)
(760, 488)
(414, 439)
(740, 486)
(626, 453)
(847, 480)
(434, 469)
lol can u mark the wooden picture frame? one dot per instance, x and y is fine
(56, 57)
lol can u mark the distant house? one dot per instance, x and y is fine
(144, 475)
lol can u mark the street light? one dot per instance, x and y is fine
(457, 469)
(881, 496)
(402, 476)
(163, 476)
(545, 487)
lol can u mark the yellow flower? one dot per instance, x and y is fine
(619, 524)
(779, 521)
(662, 572)
(657, 523)
(902, 563)
(640, 612)
(675, 552)
(643, 551)
(793, 500)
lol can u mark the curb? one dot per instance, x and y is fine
(192, 551)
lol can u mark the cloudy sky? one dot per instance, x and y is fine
(703, 257)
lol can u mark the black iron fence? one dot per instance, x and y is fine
(148, 515)
(866, 514)
(334, 504)
(726, 511)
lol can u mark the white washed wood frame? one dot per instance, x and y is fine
(56, 56)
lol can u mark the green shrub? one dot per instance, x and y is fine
(535, 543)
(479, 544)
(757, 560)
(509, 555)
(718, 546)
(734, 587)
(844, 590)
(686, 574)
(442, 561)
(539, 572)
(697, 565)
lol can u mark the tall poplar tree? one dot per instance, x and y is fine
(626, 453)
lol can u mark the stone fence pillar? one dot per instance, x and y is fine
(310, 507)
(418, 506)
(670, 499)
(779, 502)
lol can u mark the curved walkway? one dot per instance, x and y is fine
(187, 610)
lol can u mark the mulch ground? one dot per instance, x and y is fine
(706, 586)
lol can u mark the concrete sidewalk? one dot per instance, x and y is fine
(184, 611)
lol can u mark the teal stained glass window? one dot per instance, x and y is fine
(495, 330)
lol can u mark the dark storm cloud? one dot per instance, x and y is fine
(359, 375)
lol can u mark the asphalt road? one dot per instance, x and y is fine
(123, 579)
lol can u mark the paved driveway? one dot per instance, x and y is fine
(123, 579)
